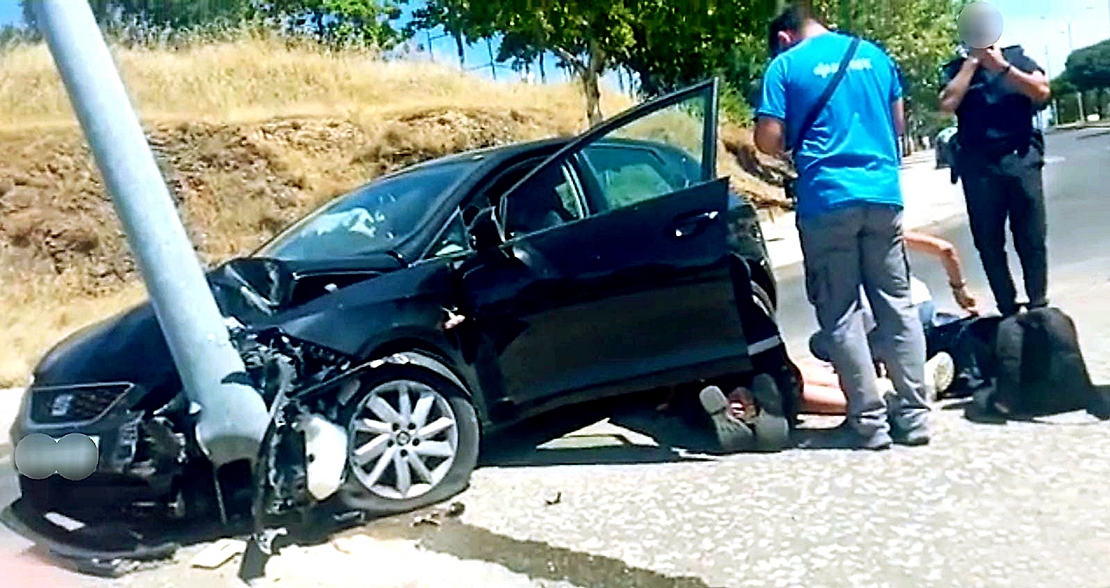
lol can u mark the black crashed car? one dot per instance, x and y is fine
(596, 267)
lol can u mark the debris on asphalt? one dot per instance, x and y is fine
(100, 567)
(456, 509)
(428, 519)
(552, 501)
(351, 545)
(260, 547)
(218, 553)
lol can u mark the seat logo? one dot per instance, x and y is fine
(73, 457)
(59, 407)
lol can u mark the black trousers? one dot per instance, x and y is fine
(1010, 187)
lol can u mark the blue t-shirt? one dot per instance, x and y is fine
(850, 156)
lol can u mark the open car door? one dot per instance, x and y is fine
(613, 273)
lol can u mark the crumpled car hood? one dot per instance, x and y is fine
(130, 346)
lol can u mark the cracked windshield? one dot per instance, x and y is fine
(499, 294)
(372, 219)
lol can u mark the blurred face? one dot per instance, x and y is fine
(980, 25)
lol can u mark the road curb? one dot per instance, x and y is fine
(9, 410)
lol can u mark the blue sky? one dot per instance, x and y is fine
(10, 12)
(1041, 26)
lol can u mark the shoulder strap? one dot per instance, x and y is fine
(818, 106)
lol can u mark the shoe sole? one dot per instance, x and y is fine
(944, 373)
(731, 433)
(772, 431)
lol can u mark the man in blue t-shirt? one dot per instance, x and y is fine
(849, 217)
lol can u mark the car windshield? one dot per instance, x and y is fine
(372, 219)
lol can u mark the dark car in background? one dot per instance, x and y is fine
(944, 147)
(586, 268)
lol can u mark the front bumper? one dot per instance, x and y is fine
(109, 414)
(95, 550)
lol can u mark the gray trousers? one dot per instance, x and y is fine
(847, 248)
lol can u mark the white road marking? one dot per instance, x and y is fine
(1056, 159)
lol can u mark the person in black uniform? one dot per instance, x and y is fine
(995, 93)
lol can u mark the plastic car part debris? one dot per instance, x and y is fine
(259, 549)
(428, 519)
(218, 553)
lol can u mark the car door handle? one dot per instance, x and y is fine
(690, 225)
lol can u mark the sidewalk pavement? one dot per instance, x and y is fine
(930, 199)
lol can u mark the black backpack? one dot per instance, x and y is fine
(1039, 369)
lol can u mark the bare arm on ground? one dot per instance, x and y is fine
(946, 253)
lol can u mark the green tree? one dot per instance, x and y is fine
(1089, 68)
(667, 43)
(454, 16)
(588, 37)
(1062, 85)
(679, 42)
(920, 35)
(340, 23)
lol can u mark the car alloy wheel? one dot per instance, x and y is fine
(404, 438)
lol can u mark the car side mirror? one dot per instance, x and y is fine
(483, 230)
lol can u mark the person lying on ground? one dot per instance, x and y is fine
(948, 351)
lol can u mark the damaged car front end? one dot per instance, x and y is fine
(152, 486)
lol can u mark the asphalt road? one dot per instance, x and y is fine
(984, 505)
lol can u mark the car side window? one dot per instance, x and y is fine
(630, 174)
(454, 239)
(547, 200)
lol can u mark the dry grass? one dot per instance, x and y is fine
(255, 80)
(250, 135)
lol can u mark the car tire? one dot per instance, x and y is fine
(398, 462)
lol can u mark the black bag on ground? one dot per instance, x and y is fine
(1039, 369)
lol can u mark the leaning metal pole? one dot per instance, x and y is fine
(233, 417)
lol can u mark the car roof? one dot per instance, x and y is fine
(499, 151)
(512, 150)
